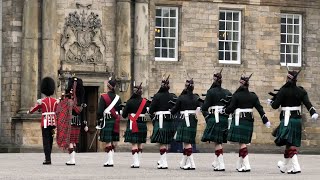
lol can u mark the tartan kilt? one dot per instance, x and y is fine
(166, 133)
(74, 134)
(242, 133)
(216, 132)
(289, 135)
(138, 137)
(107, 134)
(187, 134)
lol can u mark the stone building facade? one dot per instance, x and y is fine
(140, 41)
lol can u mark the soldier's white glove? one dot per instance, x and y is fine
(222, 111)
(268, 124)
(314, 117)
(269, 101)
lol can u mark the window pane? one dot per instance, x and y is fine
(283, 29)
(173, 13)
(234, 56)
(288, 49)
(165, 32)
(221, 45)
(288, 58)
(165, 12)
(229, 15)
(282, 58)
(222, 25)
(158, 32)
(227, 55)
(296, 29)
(228, 45)
(158, 42)
(165, 22)
(172, 32)
(221, 55)
(158, 12)
(229, 35)
(164, 53)
(235, 46)
(229, 25)
(295, 58)
(283, 21)
(236, 26)
(296, 39)
(171, 43)
(295, 49)
(236, 36)
(296, 20)
(235, 16)
(157, 53)
(172, 22)
(171, 53)
(289, 29)
(164, 43)
(289, 19)
(221, 35)
(283, 38)
(289, 38)
(222, 16)
(158, 22)
(282, 48)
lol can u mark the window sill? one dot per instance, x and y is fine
(229, 62)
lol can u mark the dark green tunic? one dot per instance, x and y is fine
(187, 101)
(107, 134)
(244, 99)
(160, 102)
(291, 95)
(215, 132)
(132, 106)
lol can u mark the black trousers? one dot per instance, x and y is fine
(47, 140)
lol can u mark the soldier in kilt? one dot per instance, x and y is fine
(217, 124)
(69, 119)
(163, 129)
(242, 103)
(188, 105)
(136, 132)
(108, 113)
(290, 97)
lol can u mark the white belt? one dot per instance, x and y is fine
(216, 111)
(287, 113)
(46, 119)
(238, 111)
(141, 115)
(160, 114)
(186, 114)
(108, 114)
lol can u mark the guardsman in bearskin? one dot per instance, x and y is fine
(136, 132)
(217, 124)
(163, 129)
(109, 116)
(188, 105)
(242, 103)
(290, 97)
(48, 106)
(69, 120)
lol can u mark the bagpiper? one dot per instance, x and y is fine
(217, 124)
(136, 132)
(48, 106)
(69, 120)
(109, 116)
(163, 129)
(188, 105)
(242, 103)
(290, 97)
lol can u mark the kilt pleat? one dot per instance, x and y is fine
(165, 134)
(138, 137)
(187, 134)
(107, 134)
(291, 134)
(242, 133)
(216, 132)
(74, 134)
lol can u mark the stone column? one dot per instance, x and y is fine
(0, 60)
(141, 41)
(29, 63)
(122, 63)
(49, 65)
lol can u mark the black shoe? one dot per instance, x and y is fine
(162, 167)
(218, 169)
(46, 162)
(248, 170)
(189, 168)
(108, 165)
(135, 166)
(294, 172)
(70, 164)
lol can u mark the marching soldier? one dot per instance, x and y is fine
(163, 129)
(290, 97)
(136, 132)
(48, 106)
(108, 114)
(242, 103)
(217, 124)
(69, 120)
(187, 104)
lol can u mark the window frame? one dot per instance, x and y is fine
(238, 61)
(299, 63)
(176, 38)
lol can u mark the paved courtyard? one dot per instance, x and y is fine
(89, 166)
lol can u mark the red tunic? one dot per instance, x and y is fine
(48, 107)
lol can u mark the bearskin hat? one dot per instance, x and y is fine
(293, 75)
(244, 80)
(217, 77)
(137, 89)
(165, 83)
(47, 86)
(189, 85)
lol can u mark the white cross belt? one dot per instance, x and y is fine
(186, 114)
(160, 114)
(141, 115)
(287, 113)
(237, 114)
(216, 112)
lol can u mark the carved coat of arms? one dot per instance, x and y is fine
(82, 40)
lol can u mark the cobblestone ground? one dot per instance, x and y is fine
(89, 166)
